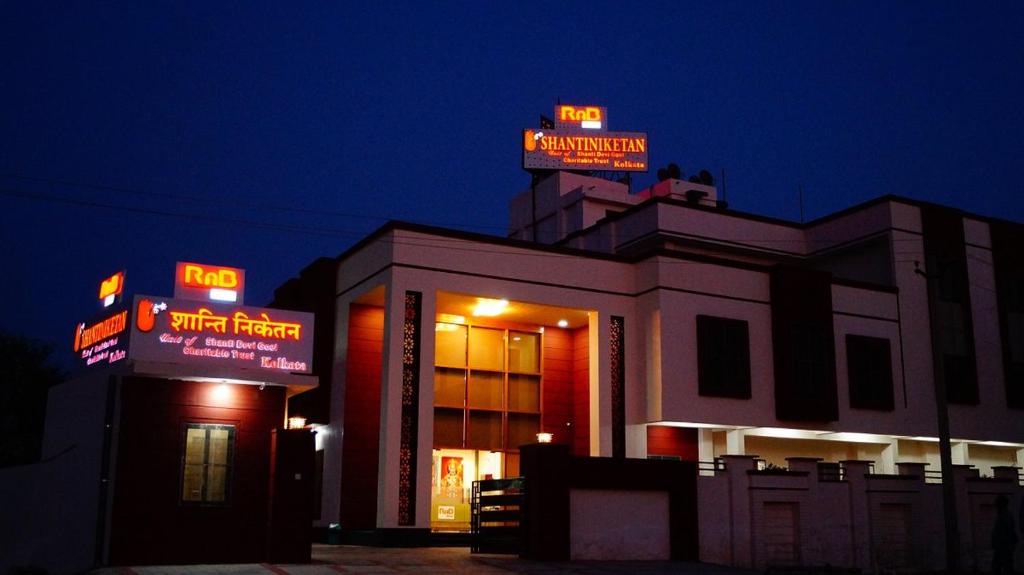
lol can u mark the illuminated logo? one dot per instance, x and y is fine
(589, 117)
(201, 281)
(145, 315)
(110, 288)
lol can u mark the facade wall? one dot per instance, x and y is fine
(149, 524)
(362, 415)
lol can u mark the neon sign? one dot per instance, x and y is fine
(205, 319)
(207, 282)
(183, 331)
(586, 117)
(556, 150)
(99, 331)
(110, 288)
(102, 341)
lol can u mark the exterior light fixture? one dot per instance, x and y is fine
(221, 392)
(545, 437)
(296, 422)
(563, 323)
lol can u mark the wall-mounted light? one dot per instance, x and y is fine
(563, 323)
(221, 392)
(545, 437)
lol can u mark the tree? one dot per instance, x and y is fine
(25, 376)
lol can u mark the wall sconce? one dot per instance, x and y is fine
(296, 422)
(545, 437)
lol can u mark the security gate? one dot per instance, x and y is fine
(496, 515)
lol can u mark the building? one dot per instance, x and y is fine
(657, 324)
(170, 444)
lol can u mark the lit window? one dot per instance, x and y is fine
(206, 463)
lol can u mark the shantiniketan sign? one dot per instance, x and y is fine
(188, 331)
(576, 150)
(102, 340)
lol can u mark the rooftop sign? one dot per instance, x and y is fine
(560, 150)
(102, 340)
(580, 140)
(209, 283)
(577, 117)
(111, 289)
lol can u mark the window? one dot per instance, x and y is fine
(723, 357)
(869, 367)
(206, 463)
(486, 387)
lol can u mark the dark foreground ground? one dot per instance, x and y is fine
(333, 559)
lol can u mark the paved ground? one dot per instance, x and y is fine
(334, 559)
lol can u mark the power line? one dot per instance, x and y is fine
(249, 204)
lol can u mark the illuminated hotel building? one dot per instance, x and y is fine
(657, 324)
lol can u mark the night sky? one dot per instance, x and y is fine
(264, 135)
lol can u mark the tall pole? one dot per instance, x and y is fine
(945, 445)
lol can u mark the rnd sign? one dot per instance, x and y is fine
(209, 283)
(581, 117)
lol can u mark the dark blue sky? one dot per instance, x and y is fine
(355, 114)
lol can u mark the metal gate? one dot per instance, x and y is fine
(496, 515)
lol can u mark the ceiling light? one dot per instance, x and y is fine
(489, 307)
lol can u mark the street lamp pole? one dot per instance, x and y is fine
(945, 445)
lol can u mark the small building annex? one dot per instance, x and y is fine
(657, 324)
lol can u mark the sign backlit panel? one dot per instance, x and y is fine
(575, 150)
(188, 331)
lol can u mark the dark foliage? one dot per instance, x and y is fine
(25, 376)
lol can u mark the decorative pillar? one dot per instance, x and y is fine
(410, 409)
(617, 347)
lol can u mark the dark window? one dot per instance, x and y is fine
(206, 463)
(723, 357)
(958, 372)
(869, 366)
(810, 357)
